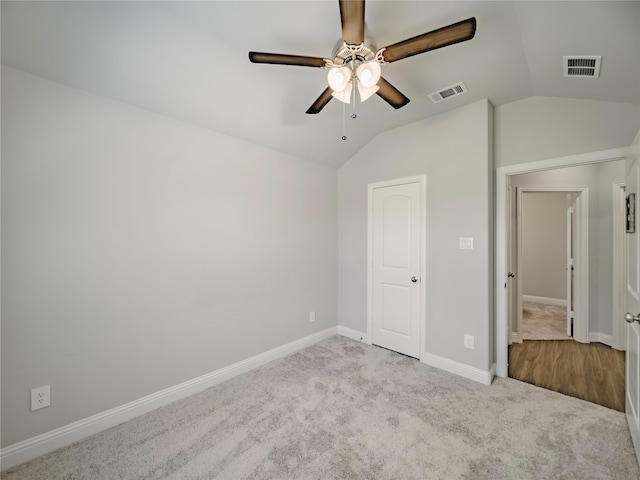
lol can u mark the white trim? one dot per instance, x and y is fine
(601, 338)
(354, 334)
(450, 366)
(517, 337)
(519, 266)
(619, 267)
(581, 261)
(502, 223)
(472, 373)
(39, 445)
(422, 180)
(559, 302)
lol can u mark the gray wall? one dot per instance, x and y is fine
(139, 252)
(539, 128)
(544, 244)
(453, 150)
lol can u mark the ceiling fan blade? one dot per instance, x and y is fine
(352, 17)
(320, 102)
(280, 59)
(455, 33)
(391, 94)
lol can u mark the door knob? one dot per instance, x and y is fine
(629, 317)
(414, 279)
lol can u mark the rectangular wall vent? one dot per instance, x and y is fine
(445, 93)
(581, 66)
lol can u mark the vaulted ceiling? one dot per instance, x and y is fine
(188, 60)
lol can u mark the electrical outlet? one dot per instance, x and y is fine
(312, 317)
(468, 341)
(40, 397)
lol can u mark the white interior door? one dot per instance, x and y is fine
(396, 233)
(570, 255)
(580, 285)
(633, 313)
(511, 289)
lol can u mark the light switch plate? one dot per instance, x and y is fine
(466, 243)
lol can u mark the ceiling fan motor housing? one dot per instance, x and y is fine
(352, 55)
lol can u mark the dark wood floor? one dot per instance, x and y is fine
(592, 372)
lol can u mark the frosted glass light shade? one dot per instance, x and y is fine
(339, 78)
(345, 94)
(366, 92)
(368, 74)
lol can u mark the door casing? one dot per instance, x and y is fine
(502, 229)
(619, 267)
(422, 180)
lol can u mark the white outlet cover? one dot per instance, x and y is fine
(469, 342)
(40, 397)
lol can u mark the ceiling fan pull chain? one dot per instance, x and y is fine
(353, 100)
(344, 123)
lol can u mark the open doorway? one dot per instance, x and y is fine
(590, 217)
(552, 244)
(586, 229)
(546, 240)
(503, 273)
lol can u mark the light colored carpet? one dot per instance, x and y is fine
(344, 410)
(544, 322)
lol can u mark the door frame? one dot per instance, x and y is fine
(422, 180)
(581, 259)
(502, 229)
(619, 341)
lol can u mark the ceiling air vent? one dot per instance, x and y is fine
(452, 91)
(582, 66)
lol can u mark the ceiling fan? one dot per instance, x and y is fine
(357, 62)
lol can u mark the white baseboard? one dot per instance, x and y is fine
(516, 337)
(472, 373)
(354, 334)
(560, 302)
(601, 337)
(39, 445)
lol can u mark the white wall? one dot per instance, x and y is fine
(544, 244)
(139, 252)
(539, 128)
(453, 149)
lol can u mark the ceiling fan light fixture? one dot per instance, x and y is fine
(368, 73)
(344, 95)
(366, 92)
(339, 78)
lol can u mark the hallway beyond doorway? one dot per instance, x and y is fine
(544, 322)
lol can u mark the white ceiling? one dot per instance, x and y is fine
(188, 60)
